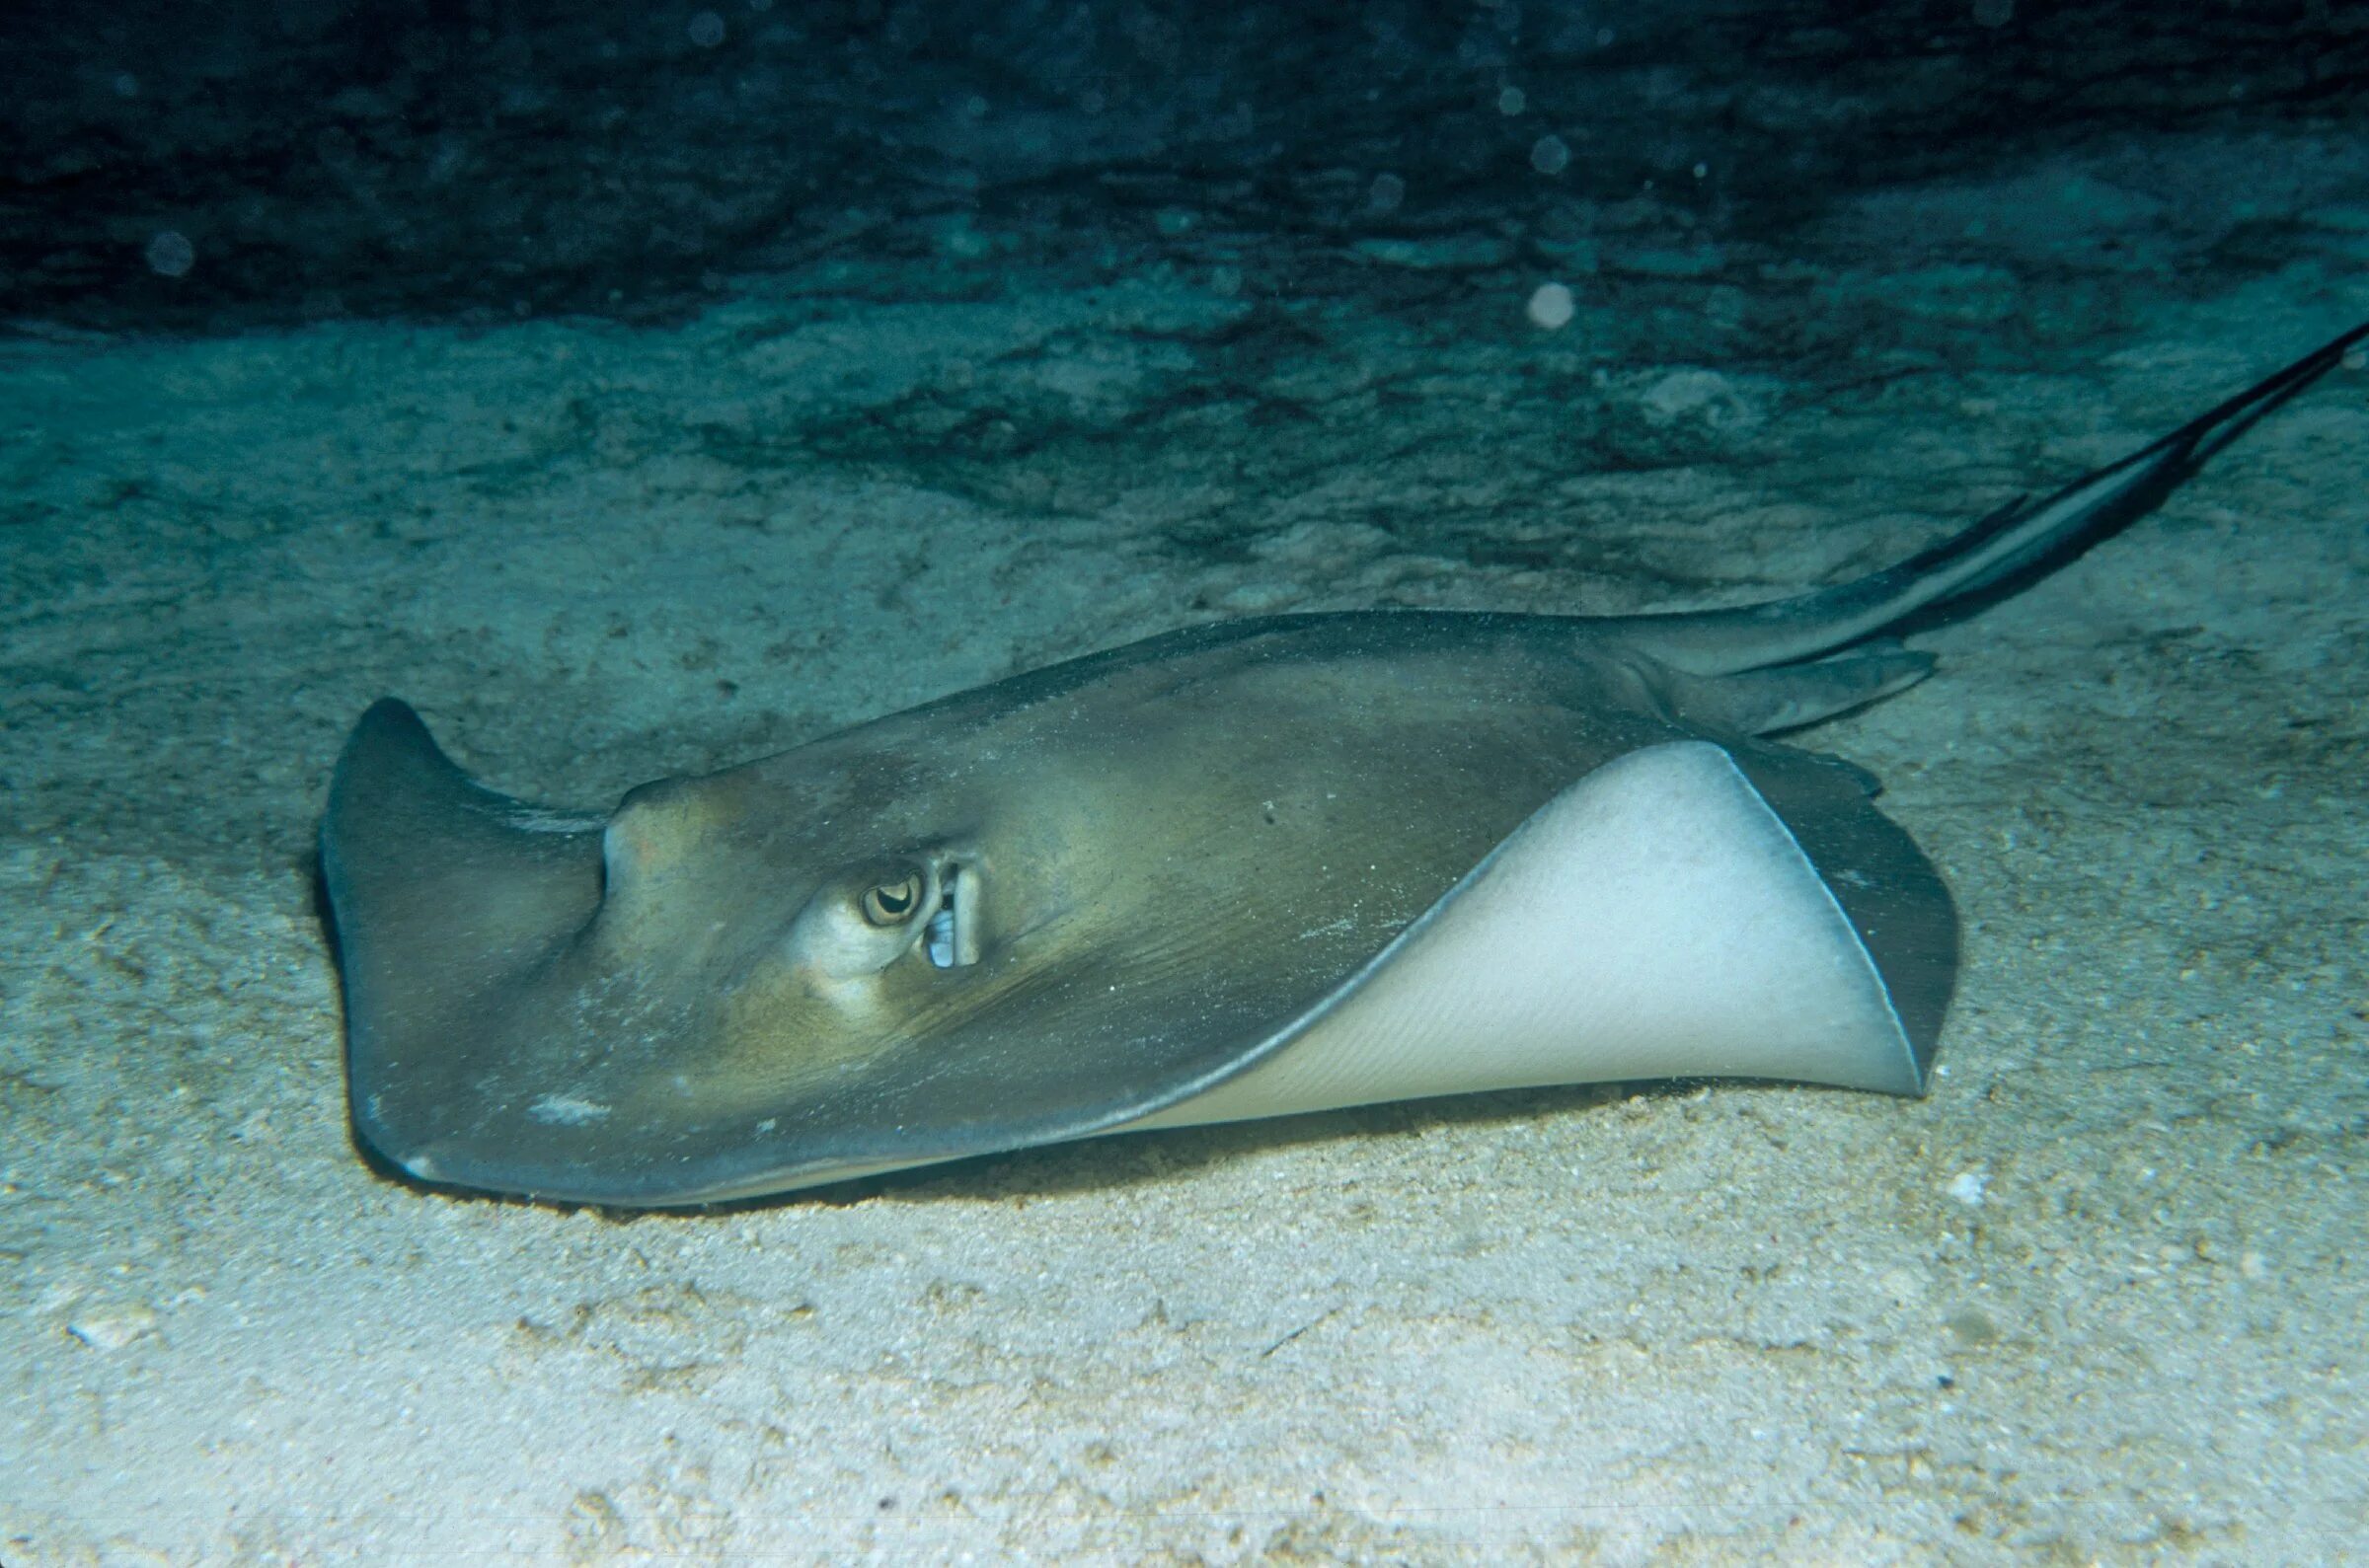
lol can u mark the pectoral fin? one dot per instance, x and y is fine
(444, 894)
(1683, 911)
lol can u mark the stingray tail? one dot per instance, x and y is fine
(2007, 549)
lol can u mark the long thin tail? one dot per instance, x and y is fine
(2024, 535)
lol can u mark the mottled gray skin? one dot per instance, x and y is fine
(1167, 857)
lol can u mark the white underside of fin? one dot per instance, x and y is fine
(1653, 919)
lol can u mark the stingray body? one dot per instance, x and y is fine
(1242, 870)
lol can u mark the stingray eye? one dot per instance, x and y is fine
(893, 902)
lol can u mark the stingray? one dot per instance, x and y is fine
(1242, 870)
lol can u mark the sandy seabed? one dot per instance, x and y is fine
(2099, 1297)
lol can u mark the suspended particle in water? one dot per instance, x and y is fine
(171, 255)
(1993, 13)
(1550, 156)
(1512, 101)
(706, 29)
(1550, 306)
(1386, 193)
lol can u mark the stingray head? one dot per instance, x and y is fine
(843, 959)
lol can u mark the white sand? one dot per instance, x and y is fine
(2100, 1296)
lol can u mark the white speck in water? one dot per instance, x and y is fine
(171, 254)
(1551, 306)
(1512, 101)
(126, 85)
(1702, 171)
(1550, 156)
(1967, 1187)
(706, 29)
(1386, 193)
